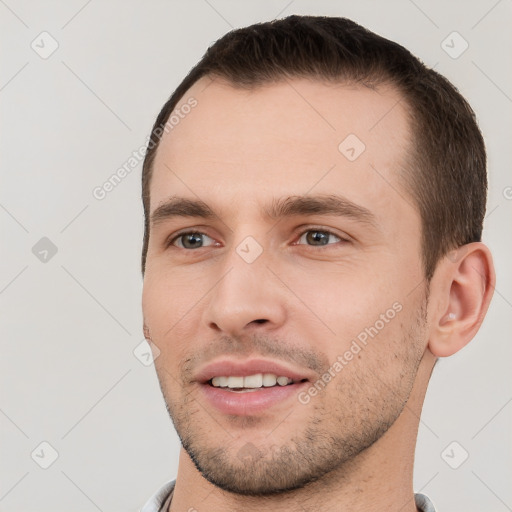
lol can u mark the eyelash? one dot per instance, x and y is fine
(173, 239)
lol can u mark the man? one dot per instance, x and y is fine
(313, 198)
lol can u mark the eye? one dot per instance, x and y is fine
(191, 240)
(318, 237)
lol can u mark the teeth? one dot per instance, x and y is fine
(269, 379)
(253, 381)
(282, 381)
(235, 382)
(220, 382)
(250, 381)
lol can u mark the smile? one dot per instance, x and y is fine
(250, 382)
(251, 387)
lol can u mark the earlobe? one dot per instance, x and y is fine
(147, 335)
(463, 290)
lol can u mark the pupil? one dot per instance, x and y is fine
(193, 240)
(317, 236)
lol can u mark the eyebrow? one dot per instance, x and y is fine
(181, 207)
(279, 208)
(319, 205)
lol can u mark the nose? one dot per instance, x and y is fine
(247, 296)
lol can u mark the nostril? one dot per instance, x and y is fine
(260, 321)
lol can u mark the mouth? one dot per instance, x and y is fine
(253, 387)
(251, 383)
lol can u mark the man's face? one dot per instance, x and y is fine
(282, 280)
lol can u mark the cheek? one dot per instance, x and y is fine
(162, 312)
(346, 302)
(168, 304)
(377, 366)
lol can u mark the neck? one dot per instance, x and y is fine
(379, 478)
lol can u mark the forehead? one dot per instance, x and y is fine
(292, 137)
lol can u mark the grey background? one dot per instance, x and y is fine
(71, 323)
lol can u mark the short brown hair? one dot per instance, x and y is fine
(447, 179)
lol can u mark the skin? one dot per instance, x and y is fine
(351, 447)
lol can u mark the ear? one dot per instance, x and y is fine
(461, 290)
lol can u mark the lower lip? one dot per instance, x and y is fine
(250, 402)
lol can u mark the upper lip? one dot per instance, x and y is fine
(232, 367)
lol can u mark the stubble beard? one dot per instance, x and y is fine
(334, 433)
